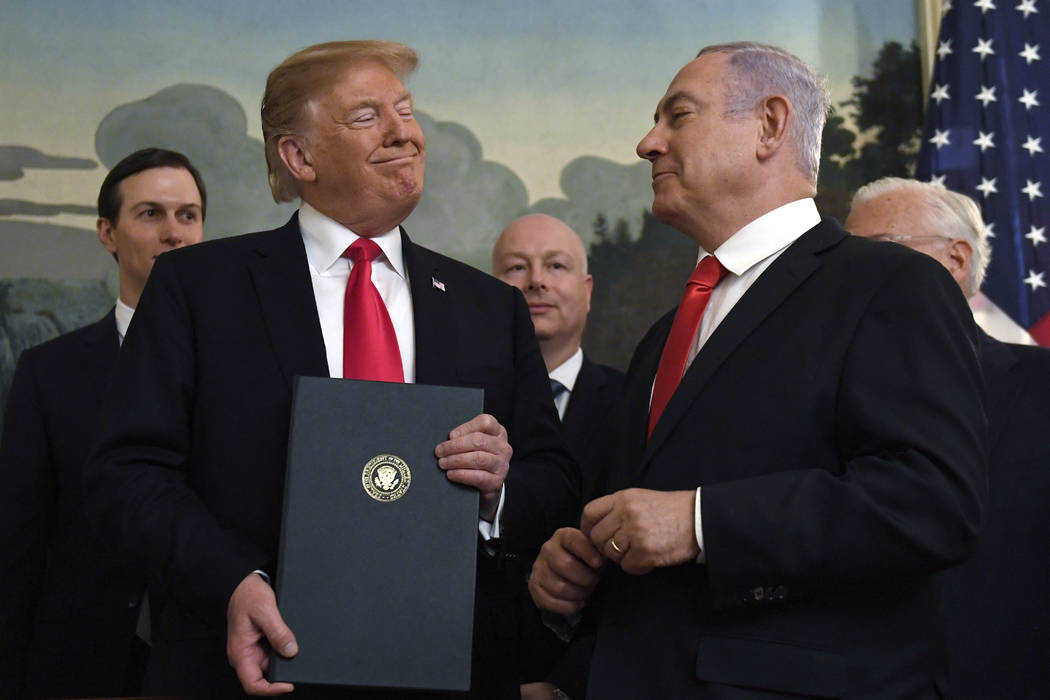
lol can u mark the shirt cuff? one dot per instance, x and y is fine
(265, 576)
(491, 531)
(698, 528)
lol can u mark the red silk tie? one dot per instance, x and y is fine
(370, 349)
(686, 321)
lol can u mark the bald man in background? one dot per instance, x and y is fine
(544, 258)
(996, 610)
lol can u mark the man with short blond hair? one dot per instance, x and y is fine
(995, 608)
(189, 473)
(804, 436)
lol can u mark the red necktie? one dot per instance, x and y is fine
(686, 321)
(370, 348)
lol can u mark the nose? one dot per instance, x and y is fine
(536, 277)
(398, 130)
(169, 231)
(651, 146)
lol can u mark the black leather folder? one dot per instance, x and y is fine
(378, 549)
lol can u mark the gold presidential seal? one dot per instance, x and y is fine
(386, 478)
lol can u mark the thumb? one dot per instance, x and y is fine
(278, 634)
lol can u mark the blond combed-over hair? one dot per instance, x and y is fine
(299, 80)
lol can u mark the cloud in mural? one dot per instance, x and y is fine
(594, 186)
(210, 128)
(22, 207)
(467, 200)
(14, 160)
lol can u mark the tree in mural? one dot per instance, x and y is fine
(887, 108)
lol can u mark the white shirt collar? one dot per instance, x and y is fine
(326, 240)
(766, 235)
(123, 313)
(567, 371)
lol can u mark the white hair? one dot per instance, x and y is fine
(943, 212)
(760, 70)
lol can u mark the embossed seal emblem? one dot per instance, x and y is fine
(386, 478)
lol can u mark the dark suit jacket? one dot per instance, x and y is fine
(188, 476)
(68, 608)
(834, 421)
(996, 605)
(586, 426)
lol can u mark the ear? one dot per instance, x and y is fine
(588, 284)
(774, 114)
(296, 157)
(959, 258)
(105, 234)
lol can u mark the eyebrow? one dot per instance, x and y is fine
(160, 205)
(373, 102)
(545, 255)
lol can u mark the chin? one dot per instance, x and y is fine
(410, 186)
(663, 212)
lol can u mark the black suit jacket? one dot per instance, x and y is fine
(68, 608)
(996, 606)
(586, 426)
(834, 421)
(188, 476)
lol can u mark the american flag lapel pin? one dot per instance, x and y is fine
(437, 283)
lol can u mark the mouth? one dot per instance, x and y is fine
(661, 174)
(396, 160)
(540, 308)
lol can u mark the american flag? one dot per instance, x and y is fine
(987, 134)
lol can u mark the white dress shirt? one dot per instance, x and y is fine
(123, 312)
(747, 254)
(325, 241)
(566, 374)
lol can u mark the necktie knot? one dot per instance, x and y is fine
(709, 271)
(370, 349)
(557, 388)
(362, 249)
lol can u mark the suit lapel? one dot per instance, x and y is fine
(767, 293)
(432, 299)
(101, 345)
(586, 393)
(997, 363)
(637, 392)
(104, 341)
(281, 276)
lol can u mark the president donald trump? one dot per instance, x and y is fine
(188, 475)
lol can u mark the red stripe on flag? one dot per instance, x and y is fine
(1041, 331)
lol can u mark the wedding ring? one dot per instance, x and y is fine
(612, 543)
